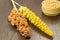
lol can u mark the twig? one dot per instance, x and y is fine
(14, 5)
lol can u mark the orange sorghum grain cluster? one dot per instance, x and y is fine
(18, 20)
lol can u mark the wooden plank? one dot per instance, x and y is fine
(9, 33)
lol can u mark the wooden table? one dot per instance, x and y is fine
(8, 32)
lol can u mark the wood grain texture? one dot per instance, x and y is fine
(8, 32)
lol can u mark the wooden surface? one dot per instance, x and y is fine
(8, 32)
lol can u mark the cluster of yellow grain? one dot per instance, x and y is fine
(35, 20)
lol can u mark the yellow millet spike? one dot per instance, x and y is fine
(35, 20)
